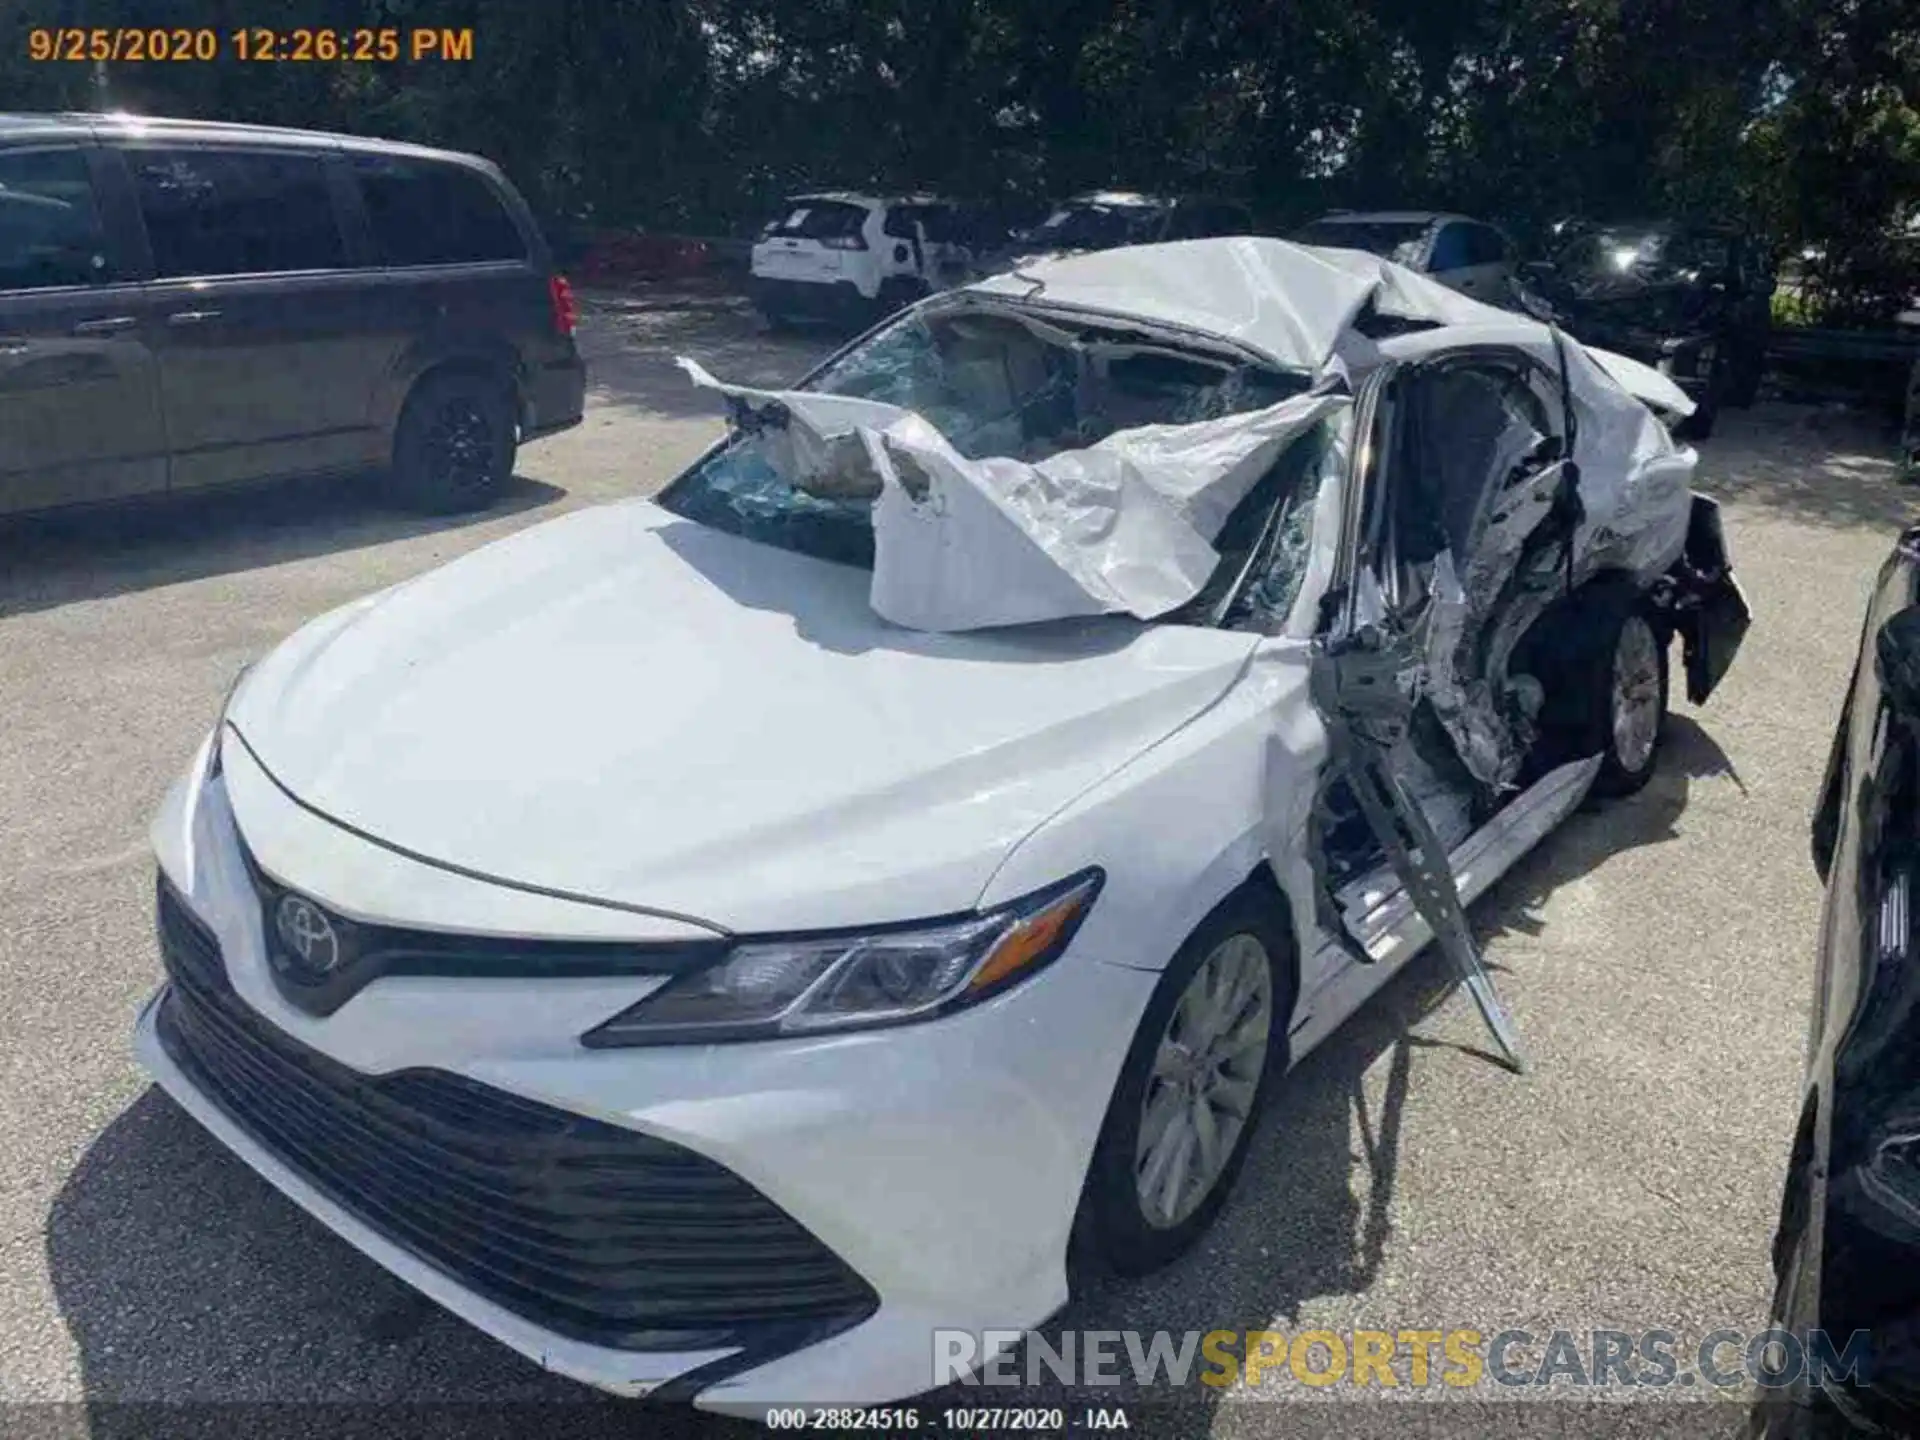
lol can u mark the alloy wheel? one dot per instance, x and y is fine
(460, 444)
(1636, 694)
(1206, 1072)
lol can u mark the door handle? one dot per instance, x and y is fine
(110, 325)
(192, 317)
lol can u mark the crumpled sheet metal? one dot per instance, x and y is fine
(1129, 521)
(1290, 302)
(1636, 499)
(1635, 482)
(1003, 542)
(1124, 525)
(1293, 304)
(807, 433)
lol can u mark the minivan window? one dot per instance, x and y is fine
(236, 212)
(50, 232)
(425, 212)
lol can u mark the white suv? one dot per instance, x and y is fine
(843, 256)
(1463, 254)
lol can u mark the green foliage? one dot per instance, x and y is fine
(696, 114)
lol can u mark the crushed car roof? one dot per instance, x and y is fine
(1127, 522)
(1291, 304)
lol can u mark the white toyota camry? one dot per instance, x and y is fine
(711, 943)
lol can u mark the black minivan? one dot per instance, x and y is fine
(186, 304)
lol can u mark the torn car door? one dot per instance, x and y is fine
(1367, 670)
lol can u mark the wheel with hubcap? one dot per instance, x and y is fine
(1601, 658)
(1636, 702)
(453, 449)
(1211, 1044)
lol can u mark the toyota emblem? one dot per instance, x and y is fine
(308, 934)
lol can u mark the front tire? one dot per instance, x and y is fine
(1210, 1047)
(454, 447)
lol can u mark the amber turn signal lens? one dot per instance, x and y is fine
(1033, 939)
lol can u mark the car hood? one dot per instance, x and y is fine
(627, 706)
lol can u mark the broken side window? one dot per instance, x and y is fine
(1266, 544)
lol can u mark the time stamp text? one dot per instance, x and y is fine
(250, 45)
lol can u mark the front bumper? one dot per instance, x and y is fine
(618, 1371)
(940, 1163)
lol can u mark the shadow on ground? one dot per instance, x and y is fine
(1602, 829)
(101, 551)
(1825, 464)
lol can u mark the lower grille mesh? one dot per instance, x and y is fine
(590, 1230)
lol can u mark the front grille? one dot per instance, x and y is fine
(587, 1229)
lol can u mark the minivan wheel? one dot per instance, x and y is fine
(1209, 1048)
(453, 449)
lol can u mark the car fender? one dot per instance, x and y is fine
(1190, 819)
(445, 352)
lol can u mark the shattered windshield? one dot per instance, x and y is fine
(1091, 226)
(1396, 240)
(995, 382)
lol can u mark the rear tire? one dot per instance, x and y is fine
(454, 447)
(1606, 687)
(1179, 1065)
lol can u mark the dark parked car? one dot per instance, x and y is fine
(1847, 1253)
(1693, 299)
(185, 304)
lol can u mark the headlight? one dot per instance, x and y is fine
(805, 984)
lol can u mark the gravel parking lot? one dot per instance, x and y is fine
(1656, 954)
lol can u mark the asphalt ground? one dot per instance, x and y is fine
(1656, 954)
